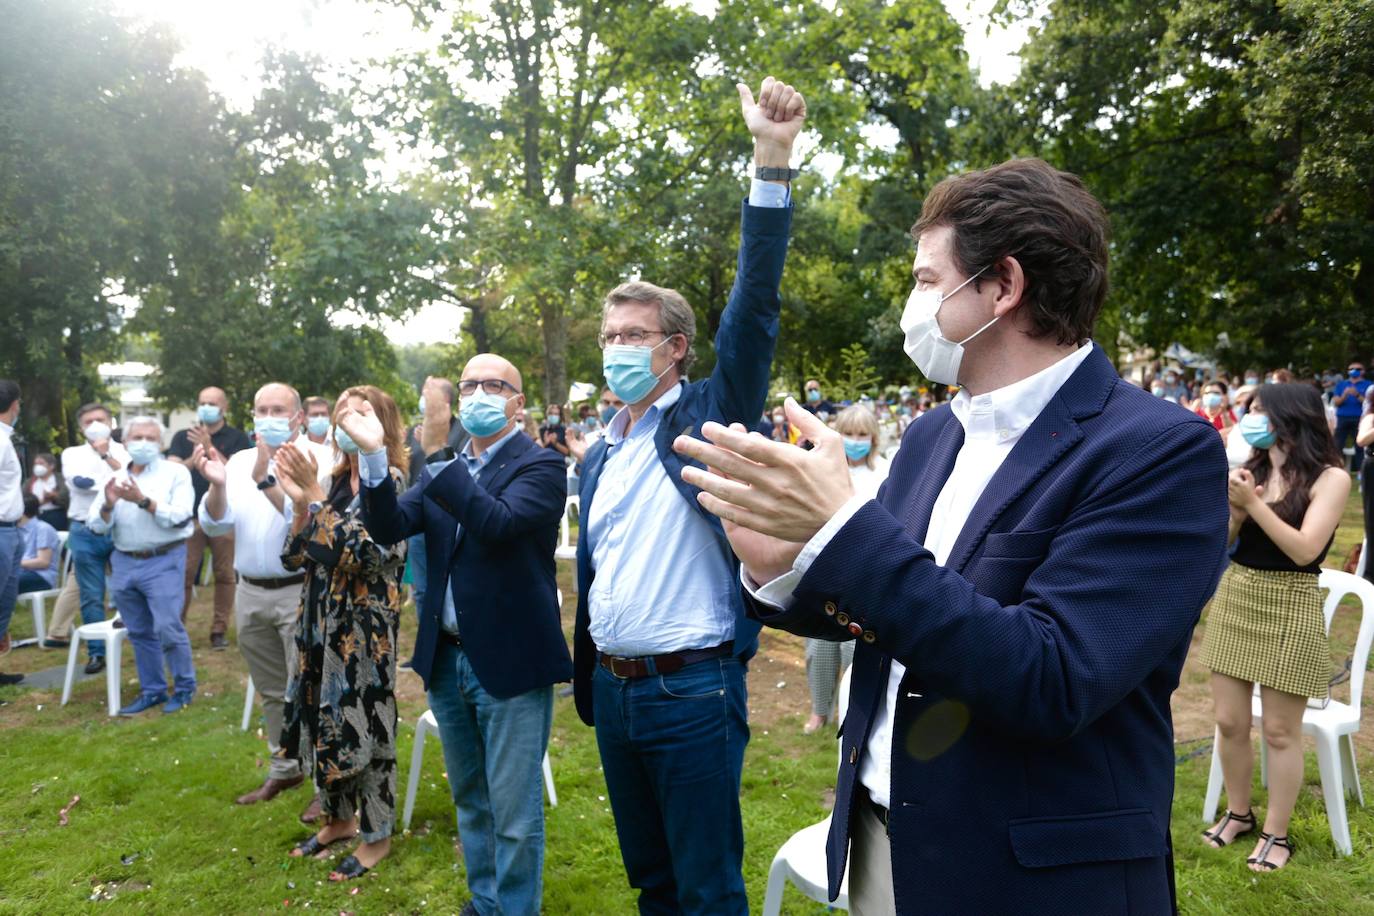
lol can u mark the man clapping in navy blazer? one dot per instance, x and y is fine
(1023, 588)
(490, 645)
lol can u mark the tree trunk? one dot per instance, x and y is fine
(553, 323)
(476, 325)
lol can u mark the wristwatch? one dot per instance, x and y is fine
(314, 506)
(268, 482)
(144, 503)
(444, 454)
(772, 173)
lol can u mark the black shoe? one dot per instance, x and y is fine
(95, 665)
(11, 678)
(218, 643)
(56, 644)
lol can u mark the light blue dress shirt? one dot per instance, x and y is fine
(664, 581)
(372, 471)
(166, 483)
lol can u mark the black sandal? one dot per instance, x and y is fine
(311, 845)
(1270, 841)
(1213, 836)
(350, 868)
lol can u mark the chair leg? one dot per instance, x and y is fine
(1329, 764)
(417, 757)
(548, 782)
(248, 705)
(1214, 783)
(1352, 772)
(72, 655)
(777, 883)
(113, 650)
(38, 605)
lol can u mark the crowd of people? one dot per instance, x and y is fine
(992, 652)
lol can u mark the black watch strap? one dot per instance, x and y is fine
(268, 482)
(772, 173)
(144, 503)
(444, 454)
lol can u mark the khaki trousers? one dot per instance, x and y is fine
(870, 862)
(266, 622)
(65, 612)
(222, 561)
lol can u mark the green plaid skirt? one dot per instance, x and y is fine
(1266, 627)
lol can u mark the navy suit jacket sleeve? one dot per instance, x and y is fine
(1107, 596)
(390, 519)
(531, 500)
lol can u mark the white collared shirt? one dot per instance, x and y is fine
(166, 483)
(993, 424)
(11, 476)
(259, 529)
(83, 461)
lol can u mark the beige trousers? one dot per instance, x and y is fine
(266, 623)
(66, 611)
(870, 863)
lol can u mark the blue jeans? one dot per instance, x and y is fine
(1346, 429)
(90, 553)
(419, 568)
(11, 555)
(494, 752)
(149, 593)
(672, 747)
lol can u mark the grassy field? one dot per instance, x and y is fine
(156, 831)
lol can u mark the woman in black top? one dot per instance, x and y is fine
(1265, 624)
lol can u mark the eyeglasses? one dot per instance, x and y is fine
(490, 385)
(633, 337)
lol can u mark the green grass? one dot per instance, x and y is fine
(156, 830)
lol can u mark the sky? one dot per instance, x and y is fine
(226, 42)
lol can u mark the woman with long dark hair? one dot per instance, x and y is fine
(1265, 623)
(340, 716)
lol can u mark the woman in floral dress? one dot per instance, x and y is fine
(340, 714)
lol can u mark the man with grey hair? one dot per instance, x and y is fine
(661, 639)
(147, 510)
(245, 500)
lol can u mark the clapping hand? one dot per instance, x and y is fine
(577, 444)
(209, 463)
(200, 436)
(1241, 490)
(299, 475)
(128, 490)
(362, 427)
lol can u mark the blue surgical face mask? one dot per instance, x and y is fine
(857, 449)
(1257, 431)
(483, 414)
(143, 452)
(318, 426)
(813, 395)
(1211, 401)
(1252, 380)
(209, 413)
(1356, 373)
(344, 442)
(629, 370)
(273, 430)
(1157, 391)
(608, 414)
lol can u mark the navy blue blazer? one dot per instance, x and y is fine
(1032, 752)
(500, 567)
(735, 392)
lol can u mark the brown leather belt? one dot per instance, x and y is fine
(668, 663)
(282, 582)
(156, 552)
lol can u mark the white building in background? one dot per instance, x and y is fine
(130, 382)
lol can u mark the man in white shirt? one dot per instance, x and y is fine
(147, 510)
(1048, 541)
(87, 468)
(11, 510)
(244, 499)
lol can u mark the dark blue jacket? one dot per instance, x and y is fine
(1032, 752)
(501, 568)
(734, 393)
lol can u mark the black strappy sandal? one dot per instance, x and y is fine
(350, 868)
(1270, 841)
(1214, 835)
(311, 845)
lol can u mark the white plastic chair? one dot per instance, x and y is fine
(801, 859)
(426, 726)
(247, 705)
(1333, 726)
(114, 642)
(567, 549)
(38, 600)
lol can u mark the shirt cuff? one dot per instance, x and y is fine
(778, 592)
(768, 194)
(372, 470)
(215, 527)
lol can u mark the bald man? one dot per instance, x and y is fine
(490, 646)
(210, 430)
(245, 505)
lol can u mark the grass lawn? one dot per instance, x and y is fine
(156, 830)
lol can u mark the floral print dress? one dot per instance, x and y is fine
(340, 717)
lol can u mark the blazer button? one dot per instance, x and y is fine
(842, 619)
(855, 630)
(870, 636)
(830, 608)
(853, 756)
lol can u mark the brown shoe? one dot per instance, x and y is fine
(313, 812)
(269, 790)
(218, 642)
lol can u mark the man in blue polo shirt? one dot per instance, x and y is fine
(1348, 399)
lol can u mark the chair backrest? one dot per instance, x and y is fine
(842, 707)
(1363, 565)
(1339, 585)
(573, 504)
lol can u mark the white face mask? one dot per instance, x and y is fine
(96, 431)
(937, 357)
(40, 470)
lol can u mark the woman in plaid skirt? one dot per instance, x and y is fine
(1265, 623)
